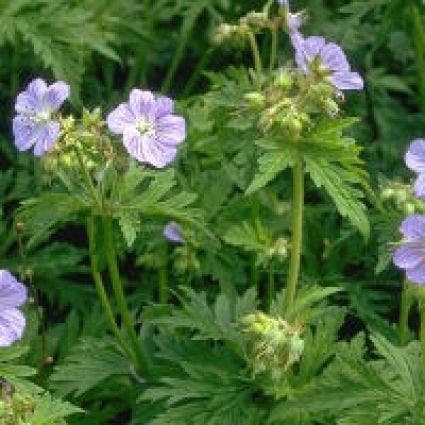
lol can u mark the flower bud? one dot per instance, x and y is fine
(283, 80)
(255, 99)
(272, 344)
(20, 227)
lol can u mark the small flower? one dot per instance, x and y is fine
(330, 60)
(34, 124)
(415, 160)
(411, 254)
(173, 232)
(12, 322)
(150, 131)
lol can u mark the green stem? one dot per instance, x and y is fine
(256, 54)
(101, 292)
(111, 259)
(273, 50)
(297, 233)
(406, 303)
(87, 178)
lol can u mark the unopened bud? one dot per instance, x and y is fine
(283, 80)
(20, 227)
(254, 98)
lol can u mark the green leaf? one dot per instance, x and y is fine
(339, 184)
(270, 165)
(90, 363)
(18, 375)
(43, 214)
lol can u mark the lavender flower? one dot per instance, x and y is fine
(34, 124)
(415, 160)
(173, 232)
(12, 322)
(329, 58)
(150, 131)
(411, 254)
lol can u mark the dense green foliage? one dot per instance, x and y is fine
(208, 311)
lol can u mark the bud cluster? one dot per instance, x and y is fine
(277, 250)
(81, 142)
(289, 102)
(252, 23)
(272, 344)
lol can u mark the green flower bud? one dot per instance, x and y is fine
(255, 99)
(224, 33)
(331, 107)
(409, 208)
(255, 21)
(283, 80)
(387, 193)
(281, 247)
(272, 344)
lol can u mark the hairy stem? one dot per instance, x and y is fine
(111, 259)
(87, 178)
(403, 324)
(273, 50)
(297, 233)
(101, 292)
(256, 54)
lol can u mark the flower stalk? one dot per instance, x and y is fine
(101, 292)
(126, 317)
(297, 233)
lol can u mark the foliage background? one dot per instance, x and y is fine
(103, 48)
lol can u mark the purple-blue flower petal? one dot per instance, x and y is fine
(55, 95)
(410, 254)
(173, 232)
(163, 106)
(12, 325)
(415, 156)
(419, 186)
(171, 130)
(334, 58)
(312, 46)
(30, 101)
(142, 104)
(147, 149)
(346, 80)
(150, 132)
(28, 133)
(46, 136)
(12, 293)
(413, 227)
(24, 131)
(120, 118)
(417, 274)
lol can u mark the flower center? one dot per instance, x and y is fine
(145, 126)
(43, 115)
